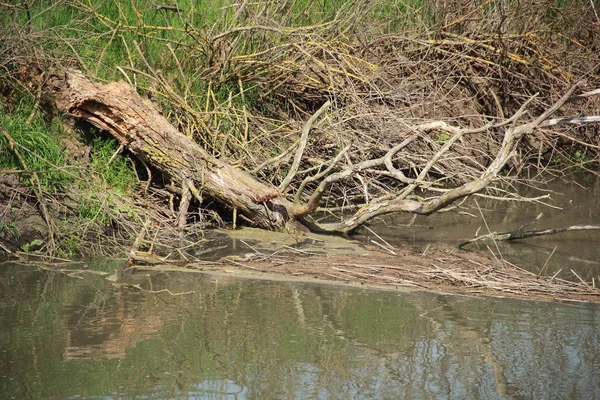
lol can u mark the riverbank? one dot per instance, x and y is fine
(331, 110)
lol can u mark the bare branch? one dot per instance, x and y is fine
(521, 234)
(402, 203)
(302, 145)
(546, 114)
(592, 119)
(297, 197)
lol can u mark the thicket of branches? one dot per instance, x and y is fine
(244, 78)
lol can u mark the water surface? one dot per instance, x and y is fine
(68, 338)
(572, 201)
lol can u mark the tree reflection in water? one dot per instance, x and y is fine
(234, 338)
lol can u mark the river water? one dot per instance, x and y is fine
(62, 337)
(572, 201)
(68, 338)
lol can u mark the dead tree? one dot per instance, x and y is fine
(140, 127)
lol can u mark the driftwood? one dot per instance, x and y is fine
(523, 234)
(140, 127)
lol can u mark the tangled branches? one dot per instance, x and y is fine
(340, 106)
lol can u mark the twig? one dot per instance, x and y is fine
(595, 12)
(309, 179)
(6, 249)
(540, 215)
(488, 229)
(582, 281)
(171, 293)
(115, 154)
(138, 242)
(51, 246)
(37, 101)
(243, 265)
(555, 274)
(547, 260)
(246, 28)
(175, 9)
(425, 251)
(252, 248)
(383, 247)
(389, 246)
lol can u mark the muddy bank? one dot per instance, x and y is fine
(435, 268)
(21, 224)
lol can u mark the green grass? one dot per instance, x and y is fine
(119, 175)
(9, 229)
(39, 148)
(102, 185)
(102, 36)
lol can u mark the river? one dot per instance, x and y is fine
(68, 338)
(80, 337)
(572, 201)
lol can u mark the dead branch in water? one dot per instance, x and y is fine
(401, 202)
(522, 234)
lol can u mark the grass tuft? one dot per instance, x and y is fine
(39, 147)
(117, 173)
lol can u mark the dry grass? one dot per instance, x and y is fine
(440, 270)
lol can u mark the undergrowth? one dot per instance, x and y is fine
(30, 144)
(115, 170)
(243, 77)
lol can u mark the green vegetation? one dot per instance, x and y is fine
(35, 244)
(37, 143)
(117, 173)
(9, 229)
(242, 78)
(31, 145)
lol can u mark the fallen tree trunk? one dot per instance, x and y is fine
(140, 127)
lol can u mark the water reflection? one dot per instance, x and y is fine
(240, 339)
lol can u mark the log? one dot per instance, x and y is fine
(141, 128)
(523, 234)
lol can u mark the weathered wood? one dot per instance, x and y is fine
(522, 234)
(139, 126)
